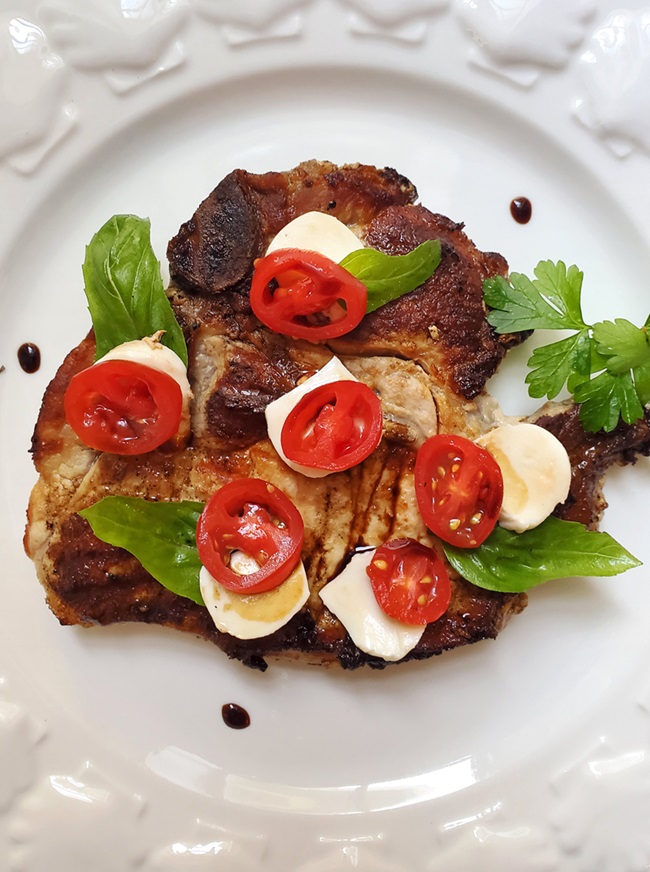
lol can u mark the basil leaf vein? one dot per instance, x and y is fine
(124, 287)
(161, 535)
(388, 277)
(512, 562)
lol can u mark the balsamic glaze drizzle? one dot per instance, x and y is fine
(521, 210)
(234, 716)
(29, 357)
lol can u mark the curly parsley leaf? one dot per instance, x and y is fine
(515, 562)
(641, 376)
(387, 276)
(551, 301)
(161, 535)
(623, 345)
(606, 398)
(552, 365)
(124, 287)
(605, 365)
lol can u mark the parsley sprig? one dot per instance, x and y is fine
(606, 366)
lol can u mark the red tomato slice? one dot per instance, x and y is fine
(123, 407)
(459, 489)
(255, 517)
(333, 427)
(306, 295)
(410, 581)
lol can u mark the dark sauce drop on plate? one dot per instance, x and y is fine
(234, 716)
(521, 210)
(29, 357)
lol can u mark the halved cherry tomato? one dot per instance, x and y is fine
(306, 295)
(410, 581)
(333, 427)
(252, 516)
(459, 489)
(123, 407)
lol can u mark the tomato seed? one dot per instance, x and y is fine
(426, 580)
(476, 519)
(442, 471)
(454, 524)
(380, 564)
(455, 467)
(422, 600)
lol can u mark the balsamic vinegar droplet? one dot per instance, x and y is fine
(521, 210)
(235, 716)
(29, 357)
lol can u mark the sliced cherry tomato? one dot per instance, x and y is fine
(252, 516)
(306, 295)
(410, 581)
(333, 427)
(459, 489)
(123, 407)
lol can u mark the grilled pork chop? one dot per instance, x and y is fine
(427, 355)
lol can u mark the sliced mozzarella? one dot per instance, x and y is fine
(151, 352)
(349, 596)
(320, 232)
(278, 411)
(536, 473)
(252, 616)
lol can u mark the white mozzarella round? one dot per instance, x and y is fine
(349, 596)
(151, 352)
(255, 615)
(320, 232)
(278, 411)
(536, 473)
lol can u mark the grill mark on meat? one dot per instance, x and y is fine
(235, 409)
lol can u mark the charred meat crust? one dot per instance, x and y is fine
(591, 455)
(449, 305)
(99, 584)
(442, 323)
(214, 251)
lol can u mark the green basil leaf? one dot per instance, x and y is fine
(124, 288)
(162, 536)
(387, 276)
(514, 562)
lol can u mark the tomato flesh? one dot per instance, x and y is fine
(306, 295)
(123, 407)
(459, 489)
(333, 427)
(410, 581)
(252, 516)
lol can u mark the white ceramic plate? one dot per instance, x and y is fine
(530, 753)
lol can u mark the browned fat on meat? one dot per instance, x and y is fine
(427, 355)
